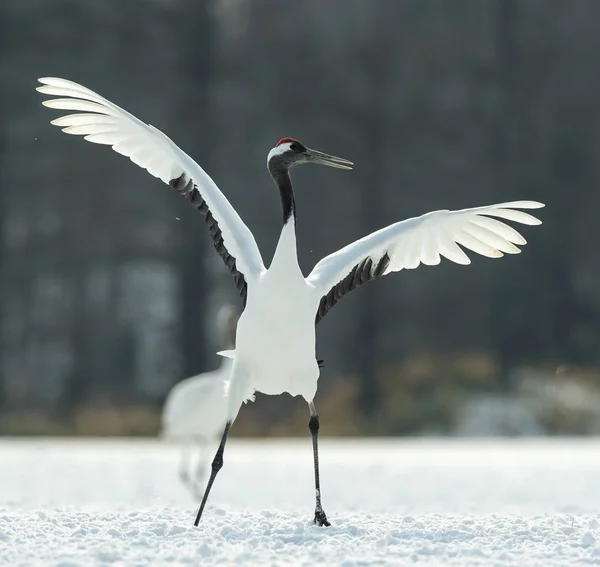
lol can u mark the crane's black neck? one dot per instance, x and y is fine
(281, 175)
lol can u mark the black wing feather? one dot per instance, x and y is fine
(186, 187)
(362, 273)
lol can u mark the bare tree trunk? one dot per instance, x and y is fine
(4, 49)
(501, 154)
(369, 307)
(373, 128)
(197, 59)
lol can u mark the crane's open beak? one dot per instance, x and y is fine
(325, 159)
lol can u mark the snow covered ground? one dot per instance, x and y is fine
(70, 503)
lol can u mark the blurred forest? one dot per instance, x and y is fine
(107, 299)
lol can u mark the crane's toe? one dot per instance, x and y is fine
(321, 519)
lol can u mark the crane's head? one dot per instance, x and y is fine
(289, 152)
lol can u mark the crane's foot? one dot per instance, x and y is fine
(321, 519)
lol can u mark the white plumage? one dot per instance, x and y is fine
(275, 346)
(425, 239)
(194, 415)
(102, 122)
(196, 408)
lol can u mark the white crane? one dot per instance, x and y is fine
(275, 343)
(195, 410)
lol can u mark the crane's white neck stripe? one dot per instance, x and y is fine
(285, 259)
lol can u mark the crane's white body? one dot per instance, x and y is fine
(273, 356)
(196, 408)
(194, 415)
(275, 345)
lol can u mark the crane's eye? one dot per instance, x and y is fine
(295, 146)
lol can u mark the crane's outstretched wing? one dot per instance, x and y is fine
(420, 240)
(102, 122)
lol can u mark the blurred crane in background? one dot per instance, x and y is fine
(195, 411)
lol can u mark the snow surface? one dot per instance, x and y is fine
(67, 503)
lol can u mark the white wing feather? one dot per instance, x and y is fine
(102, 122)
(425, 239)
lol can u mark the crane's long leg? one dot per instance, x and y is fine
(216, 466)
(313, 425)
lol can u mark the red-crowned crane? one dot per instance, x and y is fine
(275, 344)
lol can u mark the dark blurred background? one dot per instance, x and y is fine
(109, 284)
